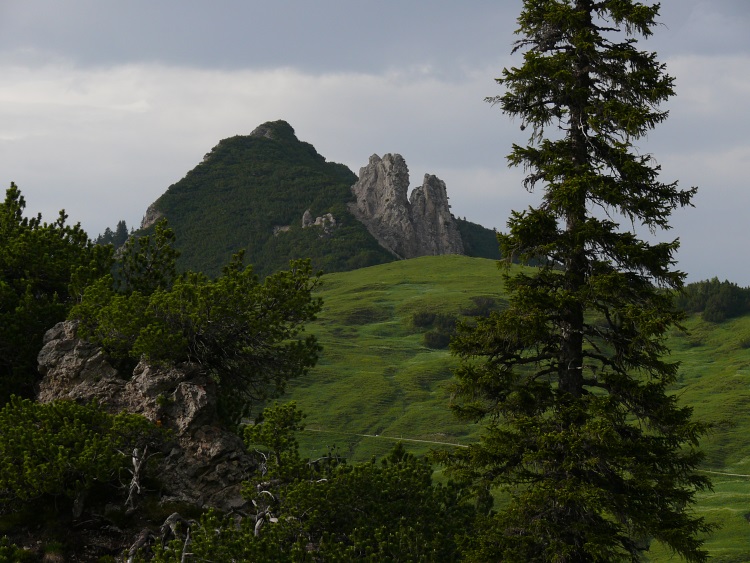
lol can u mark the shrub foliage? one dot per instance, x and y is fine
(243, 332)
(43, 270)
(63, 449)
(328, 510)
(716, 301)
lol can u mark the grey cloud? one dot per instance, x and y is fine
(703, 27)
(317, 36)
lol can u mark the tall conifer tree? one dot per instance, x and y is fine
(597, 455)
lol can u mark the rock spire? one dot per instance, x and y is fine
(421, 225)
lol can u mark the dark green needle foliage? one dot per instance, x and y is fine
(716, 301)
(245, 333)
(43, 270)
(597, 457)
(147, 263)
(11, 553)
(328, 510)
(116, 238)
(62, 450)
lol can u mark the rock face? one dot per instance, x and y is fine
(203, 465)
(151, 217)
(327, 221)
(434, 225)
(421, 225)
(264, 130)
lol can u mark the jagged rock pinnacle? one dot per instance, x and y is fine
(418, 226)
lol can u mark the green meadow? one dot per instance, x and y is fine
(715, 381)
(378, 383)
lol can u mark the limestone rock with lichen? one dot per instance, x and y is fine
(204, 464)
(419, 225)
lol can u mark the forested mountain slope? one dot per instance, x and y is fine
(276, 197)
(251, 192)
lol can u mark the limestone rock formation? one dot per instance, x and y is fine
(419, 225)
(327, 221)
(264, 130)
(204, 465)
(151, 217)
(434, 225)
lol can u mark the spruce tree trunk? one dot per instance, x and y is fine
(571, 348)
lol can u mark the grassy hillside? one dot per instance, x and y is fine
(376, 376)
(715, 381)
(377, 382)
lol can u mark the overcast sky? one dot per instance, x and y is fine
(104, 104)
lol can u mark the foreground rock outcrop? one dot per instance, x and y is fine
(420, 225)
(203, 465)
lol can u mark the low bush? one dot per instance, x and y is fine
(366, 315)
(329, 510)
(481, 306)
(422, 319)
(63, 449)
(437, 339)
(11, 553)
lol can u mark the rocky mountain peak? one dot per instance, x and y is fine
(252, 191)
(264, 130)
(273, 130)
(419, 225)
